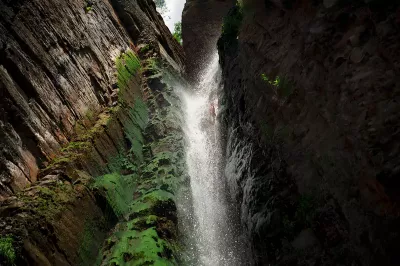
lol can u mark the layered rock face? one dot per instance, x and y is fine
(201, 28)
(57, 66)
(312, 95)
(144, 24)
(85, 132)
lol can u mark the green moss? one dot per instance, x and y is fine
(77, 146)
(134, 126)
(93, 235)
(78, 149)
(149, 235)
(48, 201)
(134, 247)
(88, 9)
(178, 32)
(157, 202)
(283, 87)
(119, 191)
(145, 49)
(151, 64)
(7, 251)
(128, 64)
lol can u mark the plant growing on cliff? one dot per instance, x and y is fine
(128, 64)
(89, 6)
(178, 32)
(283, 88)
(145, 49)
(7, 251)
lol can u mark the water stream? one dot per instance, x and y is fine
(214, 236)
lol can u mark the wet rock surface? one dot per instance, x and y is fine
(312, 90)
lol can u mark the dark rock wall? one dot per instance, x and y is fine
(201, 28)
(321, 185)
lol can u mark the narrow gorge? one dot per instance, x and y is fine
(268, 136)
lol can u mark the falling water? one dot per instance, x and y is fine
(215, 236)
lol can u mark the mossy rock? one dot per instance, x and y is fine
(118, 189)
(157, 202)
(134, 248)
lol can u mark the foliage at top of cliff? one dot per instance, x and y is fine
(178, 32)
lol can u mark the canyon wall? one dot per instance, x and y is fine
(90, 147)
(312, 100)
(201, 28)
(57, 67)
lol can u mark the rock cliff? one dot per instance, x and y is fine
(89, 133)
(312, 106)
(201, 28)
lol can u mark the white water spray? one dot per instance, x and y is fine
(214, 234)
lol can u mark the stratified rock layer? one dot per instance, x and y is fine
(57, 67)
(78, 91)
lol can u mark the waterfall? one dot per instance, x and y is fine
(215, 235)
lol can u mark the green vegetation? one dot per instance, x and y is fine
(7, 251)
(93, 235)
(178, 32)
(119, 191)
(89, 6)
(128, 64)
(83, 142)
(283, 87)
(145, 49)
(138, 247)
(148, 235)
(48, 201)
(151, 64)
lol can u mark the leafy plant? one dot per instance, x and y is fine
(7, 251)
(145, 48)
(89, 6)
(178, 32)
(151, 64)
(283, 87)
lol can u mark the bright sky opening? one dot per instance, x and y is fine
(174, 13)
